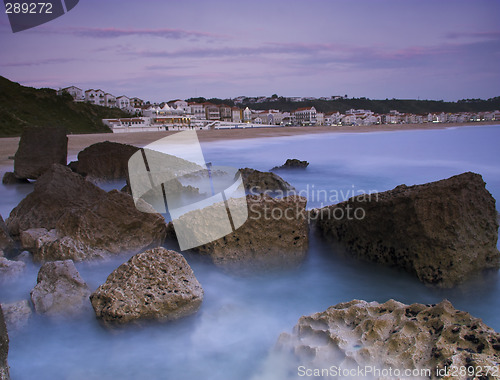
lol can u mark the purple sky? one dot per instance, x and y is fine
(163, 49)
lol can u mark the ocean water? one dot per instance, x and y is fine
(241, 318)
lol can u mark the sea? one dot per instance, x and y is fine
(241, 318)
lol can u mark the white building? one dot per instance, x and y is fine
(196, 110)
(305, 116)
(77, 93)
(95, 97)
(109, 100)
(123, 102)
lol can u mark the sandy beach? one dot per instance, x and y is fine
(76, 143)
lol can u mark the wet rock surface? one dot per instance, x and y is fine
(4, 349)
(59, 290)
(157, 284)
(6, 242)
(9, 178)
(393, 336)
(16, 314)
(275, 236)
(82, 220)
(39, 148)
(10, 268)
(443, 231)
(257, 182)
(104, 161)
(292, 163)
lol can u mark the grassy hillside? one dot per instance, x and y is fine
(26, 106)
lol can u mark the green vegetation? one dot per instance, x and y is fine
(26, 106)
(381, 106)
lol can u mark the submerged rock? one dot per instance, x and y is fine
(391, 335)
(443, 231)
(88, 221)
(10, 268)
(59, 290)
(4, 349)
(156, 284)
(16, 314)
(104, 161)
(275, 236)
(292, 163)
(39, 148)
(257, 182)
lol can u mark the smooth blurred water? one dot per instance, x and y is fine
(241, 318)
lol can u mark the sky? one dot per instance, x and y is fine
(160, 50)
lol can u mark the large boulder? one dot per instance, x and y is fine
(16, 314)
(292, 163)
(390, 337)
(9, 178)
(4, 349)
(443, 231)
(156, 284)
(6, 242)
(275, 236)
(59, 290)
(257, 182)
(39, 148)
(104, 161)
(85, 219)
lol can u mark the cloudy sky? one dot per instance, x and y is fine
(164, 49)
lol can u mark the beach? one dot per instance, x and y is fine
(76, 143)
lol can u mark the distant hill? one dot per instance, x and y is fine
(26, 106)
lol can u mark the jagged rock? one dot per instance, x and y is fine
(104, 161)
(16, 314)
(4, 349)
(156, 284)
(39, 148)
(257, 182)
(85, 217)
(10, 268)
(391, 335)
(443, 231)
(6, 242)
(274, 236)
(292, 163)
(59, 289)
(29, 237)
(10, 178)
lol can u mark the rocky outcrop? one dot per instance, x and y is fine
(393, 336)
(104, 161)
(10, 178)
(10, 268)
(59, 290)
(292, 163)
(257, 182)
(88, 221)
(16, 314)
(4, 349)
(156, 284)
(39, 148)
(443, 231)
(275, 236)
(6, 242)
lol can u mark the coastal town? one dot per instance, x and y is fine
(181, 114)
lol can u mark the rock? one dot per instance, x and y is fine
(16, 314)
(10, 178)
(85, 219)
(25, 257)
(292, 163)
(4, 349)
(257, 182)
(10, 268)
(275, 236)
(39, 148)
(391, 335)
(29, 237)
(104, 161)
(443, 231)
(156, 284)
(6, 242)
(59, 289)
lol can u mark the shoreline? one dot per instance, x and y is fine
(76, 143)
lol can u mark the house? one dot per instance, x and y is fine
(109, 100)
(247, 115)
(95, 97)
(305, 116)
(225, 113)
(123, 102)
(332, 118)
(77, 93)
(236, 115)
(179, 104)
(196, 110)
(136, 102)
(212, 111)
